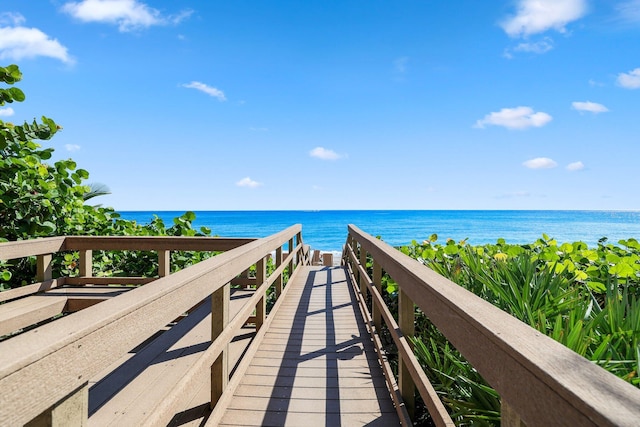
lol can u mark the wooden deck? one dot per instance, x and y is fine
(162, 353)
(316, 365)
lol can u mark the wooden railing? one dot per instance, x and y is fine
(45, 371)
(44, 249)
(541, 382)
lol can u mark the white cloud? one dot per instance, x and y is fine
(181, 16)
(400, 64)
(540, 163)
(71, 147)
(6, 112)
(592, 107)
(630, 80)
(128, 15)
(543, 46)
(539, 47)
(11, 19)
(324, 154)
(537, 16)
(18, 42)
(209, 90)
(575, 166)
(514, 194)
(629, 10)
(248, 182)
(515, 118)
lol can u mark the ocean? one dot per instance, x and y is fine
(327, 230)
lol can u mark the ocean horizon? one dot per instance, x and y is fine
(326, 230)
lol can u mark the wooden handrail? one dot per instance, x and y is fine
(153, 243)
(77, 347)
(542, 381)
(426, 390)
(49, 245)
(43, 248)
(25, 248)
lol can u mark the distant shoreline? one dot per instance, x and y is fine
(327, 230)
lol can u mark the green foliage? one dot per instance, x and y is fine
(588, 299)
(40, 199)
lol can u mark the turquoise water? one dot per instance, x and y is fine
(327, 230)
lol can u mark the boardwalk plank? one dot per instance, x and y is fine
(316, 364)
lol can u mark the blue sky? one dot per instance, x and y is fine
(354, 104)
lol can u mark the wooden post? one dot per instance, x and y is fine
(327, 259)
(406, 314)
(509, 417)
(44, 271)
(164, 263)
(377, 282)
(219, 321)
(261, 306)
(70, 411)
(86, 263)
(354, 262)
(363, 277)
(291, 262)
(278, 281)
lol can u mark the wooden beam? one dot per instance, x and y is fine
(31, 289)
(219, 321)
(15, 315)
(43, 269)
(291, 258)
(278, 282)
(508, 416)
(363, 278)
(25, 248)
(153, 243)
(327, 259)
(73, 410)
(377, 282)
(86, 263)
(164, 263)
(406, 319)
(261, 307)
(108, 280)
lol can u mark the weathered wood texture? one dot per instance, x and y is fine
(48, 245)
(411, 375)
(31, 289)
(126, 392)
(33, 309)
(78, 346)
(316, 364)
(518, 361)
(24, 248)
(152, 243)
(24, 312)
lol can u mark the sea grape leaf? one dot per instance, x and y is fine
(622, 269)
(597, 286)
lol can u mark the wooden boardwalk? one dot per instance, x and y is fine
(316, 365)
(125, 355)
